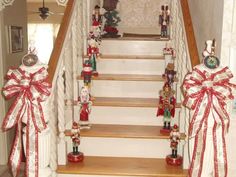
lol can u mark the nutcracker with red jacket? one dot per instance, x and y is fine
(170, 73)
(174, 158)
(166, 107)
(164, 20)
(97, 17)
(93, 54)
(75, 155)
(97, 23)
(85, 108)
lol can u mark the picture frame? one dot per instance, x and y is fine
(15, 34)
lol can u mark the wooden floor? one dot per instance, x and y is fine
(128, 102)
(119, 166)
(127, 77)
(123, 131)
(5, 171)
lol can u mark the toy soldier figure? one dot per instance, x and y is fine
(170, 73)
(164, 19)
(174, 140)
(166, 107)
(174, 158)
(75, 156)
(97, 17)
(85, 108)
(93, 54)
(97, 24)
(87, 73)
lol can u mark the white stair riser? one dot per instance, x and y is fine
(131, 66)
(124, 116)
(123, 147)
(129, 89)
(129, 47)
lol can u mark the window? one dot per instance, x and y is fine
(41, 37)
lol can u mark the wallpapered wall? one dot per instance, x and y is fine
(140, 16)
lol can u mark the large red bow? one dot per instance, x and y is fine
(207, 93)
(30, 89)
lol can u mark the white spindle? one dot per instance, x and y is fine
(61, 117)
(53, 131)
(183, 65)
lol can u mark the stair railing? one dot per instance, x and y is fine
(183, 40)
(63, 71)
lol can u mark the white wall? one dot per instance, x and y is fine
(11, 15)
(207, 17)
(140, 16)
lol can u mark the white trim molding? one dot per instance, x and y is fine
(62, 2)
(4, 3)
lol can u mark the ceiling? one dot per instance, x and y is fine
(33, 6)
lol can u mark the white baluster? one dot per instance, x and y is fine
(61, 118)
(53, 131)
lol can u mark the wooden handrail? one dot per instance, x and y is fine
(192, 45)
(57, 49)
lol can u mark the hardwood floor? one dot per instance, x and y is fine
(5, 171)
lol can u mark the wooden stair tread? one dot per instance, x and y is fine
(127, 77)
(150, 57)
(121, 166)
(128, 102)
(123, 131)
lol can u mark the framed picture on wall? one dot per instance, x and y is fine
(15, 39)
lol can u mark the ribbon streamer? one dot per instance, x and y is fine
(206, 94)
(29, 90)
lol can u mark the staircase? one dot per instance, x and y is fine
(125, 138)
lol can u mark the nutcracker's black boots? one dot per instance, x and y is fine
(74, 150)
(168, 125)
(173, 153)
(164, 125)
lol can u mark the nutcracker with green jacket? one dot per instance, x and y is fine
(93, 54)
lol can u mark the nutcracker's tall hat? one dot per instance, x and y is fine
(97, 7)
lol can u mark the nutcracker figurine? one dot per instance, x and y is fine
(169, 54)
(97, 24)
(85, 108)
(164, 19)
(97, 17)
(87, 73)
(174, 158)
(76, 155)
(166, 107)
(93, 53)
(170, 73)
